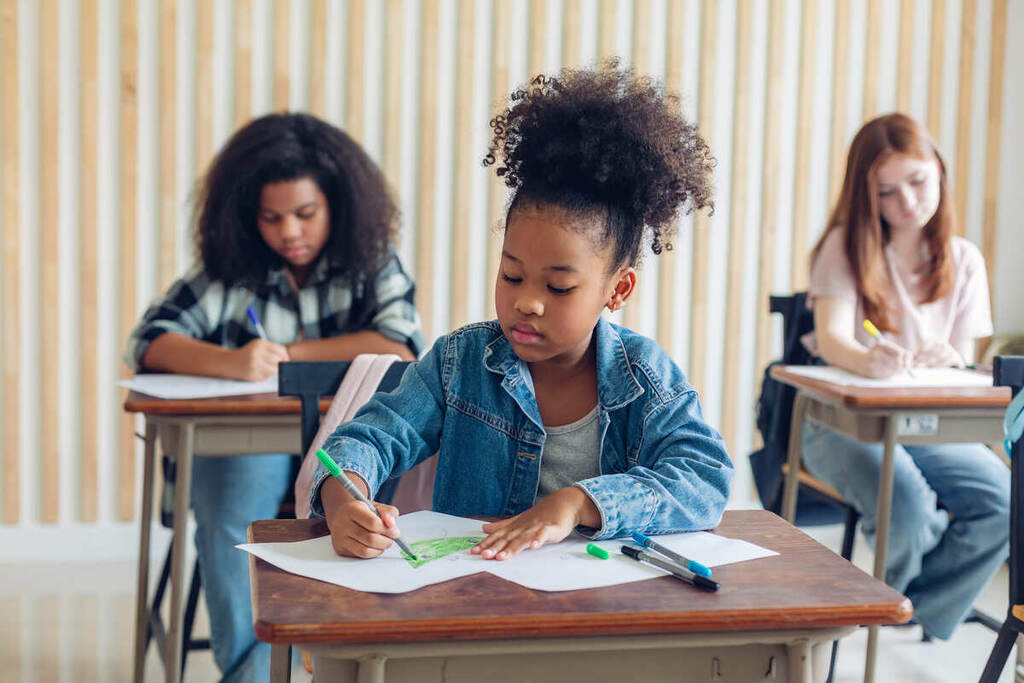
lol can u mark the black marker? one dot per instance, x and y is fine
(679, 572)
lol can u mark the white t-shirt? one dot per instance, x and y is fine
(965, 313)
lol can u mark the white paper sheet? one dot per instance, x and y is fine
(923, 377)
(558, 567)
(171, 386)
(389, 573)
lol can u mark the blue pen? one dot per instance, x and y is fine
(256, 321)
(646, 542)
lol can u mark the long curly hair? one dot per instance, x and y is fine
(865, 233)
(604, 141)
(282, 147)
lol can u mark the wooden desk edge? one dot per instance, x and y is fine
(247, 404)
(892, 397)
(569, 625)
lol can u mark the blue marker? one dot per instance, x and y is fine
(646, 542)
(256, 321)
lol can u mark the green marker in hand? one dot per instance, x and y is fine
(354, 491)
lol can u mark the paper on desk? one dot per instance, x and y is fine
(567, 565)
(171, 386)
(558, 567)
(389, 573)
(923, 377)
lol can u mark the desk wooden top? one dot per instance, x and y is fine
(897, 397)
(805, 586)
(249, 404)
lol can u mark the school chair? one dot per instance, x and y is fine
(817, 502)
(1008, 371)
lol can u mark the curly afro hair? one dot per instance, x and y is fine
(283, 147)
(607, 142)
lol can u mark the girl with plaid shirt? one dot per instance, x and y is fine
(297, 222)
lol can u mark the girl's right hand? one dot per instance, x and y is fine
(357, 532)
(256, 361)
(885, 359)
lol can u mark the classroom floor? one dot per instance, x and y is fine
(61, 631)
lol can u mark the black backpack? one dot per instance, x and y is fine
(775, 413)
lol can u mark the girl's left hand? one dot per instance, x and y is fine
(938, 353)
(549, 521)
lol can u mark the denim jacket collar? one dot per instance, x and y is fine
(616, 383)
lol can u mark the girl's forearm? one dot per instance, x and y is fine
(173, 352)
(347, 347)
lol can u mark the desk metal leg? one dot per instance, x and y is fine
(183, 438)
(882, 532)
(280, 663)
(142, 583)
(801, 664)
(371, 669)
(796, 431)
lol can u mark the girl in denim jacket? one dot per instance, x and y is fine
(550, 415)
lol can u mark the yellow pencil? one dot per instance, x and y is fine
(873, 331)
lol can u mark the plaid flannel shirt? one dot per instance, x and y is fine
(330, 304)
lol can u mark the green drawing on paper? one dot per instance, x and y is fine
(436, 548)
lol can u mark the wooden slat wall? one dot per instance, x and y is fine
(737, 227)
(802, 179)
(355, 82)
(840, 84)
(10, 220)
(935, 66)
(204, 86)
(128, 129)
(500, 87)
(699, 263)
(49, 267)
(89, 250)
(282, 60)
(168, 268)
(317, 56)
(104, 453)
(770, 187)
(993, 134)
(641, 64)
(243, 61)
(427, 157)
(668, 259)
(965, 99)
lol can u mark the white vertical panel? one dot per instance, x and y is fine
(185, 99)
(110, 344)
(443, 163)
(69, 264)
(481, 289)
(334, 87)
(821, 121)
(28, 289)
(410, 90)
(373, 76)
(946, 135)
(919, 58)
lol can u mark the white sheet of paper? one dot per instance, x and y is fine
(923, 377)
(558, 567)
(568, 566)
(389, 573)
(172, 386)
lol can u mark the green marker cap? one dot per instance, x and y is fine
(328, 462)
(597, 551)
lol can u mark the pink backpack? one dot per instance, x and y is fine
(415, 488)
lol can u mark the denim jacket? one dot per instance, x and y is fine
(471, 400)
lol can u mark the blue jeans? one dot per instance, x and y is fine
(228, 493)
(939, 557)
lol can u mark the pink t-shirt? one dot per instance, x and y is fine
(965, 313)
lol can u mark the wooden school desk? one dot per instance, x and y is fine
(889, 416)
(234, 425)
(772, 620)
